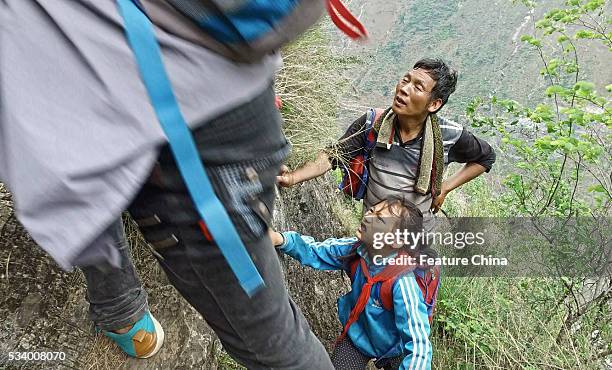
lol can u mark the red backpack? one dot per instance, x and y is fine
(428, 281)
(355, 174)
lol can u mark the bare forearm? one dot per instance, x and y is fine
(312, 169)
(469, 172)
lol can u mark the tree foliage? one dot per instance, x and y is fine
(560, 146)
(558, 149)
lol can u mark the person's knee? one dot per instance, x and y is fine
(278, 337)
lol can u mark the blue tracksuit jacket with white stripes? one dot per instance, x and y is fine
(377, 333)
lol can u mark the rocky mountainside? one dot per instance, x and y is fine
(43, 308)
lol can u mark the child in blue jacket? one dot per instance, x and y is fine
(396, 338)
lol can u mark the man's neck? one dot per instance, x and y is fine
(410, 127)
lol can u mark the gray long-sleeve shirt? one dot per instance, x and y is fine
(78, 135)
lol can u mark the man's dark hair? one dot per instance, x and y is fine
(445, 77)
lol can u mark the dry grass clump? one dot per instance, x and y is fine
(311, 84)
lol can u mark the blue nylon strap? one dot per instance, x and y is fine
(246, 23)
(141, 37)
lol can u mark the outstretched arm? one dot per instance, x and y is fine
(350, 144)
(308, 171)
(318, 255)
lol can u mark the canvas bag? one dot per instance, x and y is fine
(246, 30)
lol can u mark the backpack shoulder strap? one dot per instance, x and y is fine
(353, 264)
(370, 120)
(378, 118)
(386, 291)
(141, 37)
(393, 273)
(372, 126)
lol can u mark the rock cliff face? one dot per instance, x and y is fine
(43, 308)
(308, 210)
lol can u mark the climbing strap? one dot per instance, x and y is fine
(345, 20)
(141, 38)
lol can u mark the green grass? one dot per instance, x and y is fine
(480, 323)
(225, 362)
(311, 85)
(512, 323)
(491, 323)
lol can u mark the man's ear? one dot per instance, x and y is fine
(435, 105)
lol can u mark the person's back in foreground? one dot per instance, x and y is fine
(397, 337)
(80, 143)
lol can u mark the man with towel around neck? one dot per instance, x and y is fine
(413, 147)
